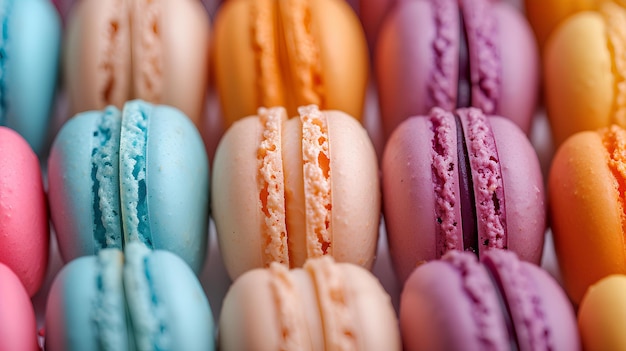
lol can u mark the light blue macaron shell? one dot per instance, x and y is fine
(83, 200)
(32, 47)
(86, 308)
(168, 308)
(176, 182)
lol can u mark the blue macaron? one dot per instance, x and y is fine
(137, 175)
(137, 300)
(30, 44)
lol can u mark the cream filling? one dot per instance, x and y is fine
(271, 187)
(615, 18)
(317, 186)
(333, 301)
(146, 52)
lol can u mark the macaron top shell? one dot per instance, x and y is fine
(323, 306)
(283, 53)
(24, 230)
(587, 208)
(119, 50)
(30, 44)
(144, 177)
(286, 190)
(18, 327)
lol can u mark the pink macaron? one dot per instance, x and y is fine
(24, 231)
(461, 181)
(18, 328)
(456, 53)
(497, 303)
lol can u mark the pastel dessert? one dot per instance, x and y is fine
(545, 15)
(29, 58)
(456, 53)
(18, 327)
(285, 190)
(461, 181)
(583, 70)
(322, 306)
(272, 53)
(139, 175)
(602, 313)
(154, 50)
(24, 230)
(372, 14)
(495, 303)
(136, 300)
(586, 192)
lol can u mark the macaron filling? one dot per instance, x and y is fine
(105, 181)
(271, 182)
(317, 181)
(525, 313)
(5, 13)
(466, 191)
(502, 300)
(615, 17)
(133, 173)
(109, 313)
(464, 85)
(147, 317)
(444, 158)
(481, 31)
(146, 49)
(441, 85)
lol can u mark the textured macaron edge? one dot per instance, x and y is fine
(615, 16)
(146, 49)
(442, 87)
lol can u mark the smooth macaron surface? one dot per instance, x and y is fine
(583, 65)
(601, 314)
(290, 189)
(24, 231)
(144, 177)
(30, 45)
(461, 181)
(546, 15)
(139, 299)
(322, 306)
(18, 327)
(500, 303)
(283, 53)
(156, 51)
(587, 208)
(461, 55)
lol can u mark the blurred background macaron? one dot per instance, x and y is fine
(18, 328)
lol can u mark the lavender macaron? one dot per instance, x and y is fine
(461, 181)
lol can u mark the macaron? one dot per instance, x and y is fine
(545, 15)
(136, 175)
(289, 53)
(29, 58)
(18, 327)
(495, 303)
(156, 51)
(602, 314)
(136, 300)
(286, 190)
(586, 193)
(583, 71)
(322, 306)
(456, 53)
(461, 181)
(372, 13)
(24, 230)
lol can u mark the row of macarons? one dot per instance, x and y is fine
(288, 190)
(468, 53)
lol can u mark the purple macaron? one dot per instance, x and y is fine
(461, 181)
(497, 303)
(456, 53)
